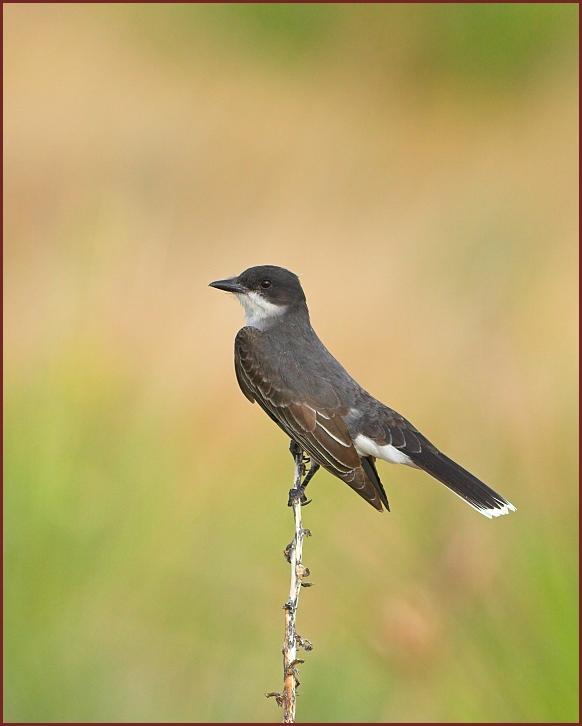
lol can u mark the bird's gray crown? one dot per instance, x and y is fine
(275, 284)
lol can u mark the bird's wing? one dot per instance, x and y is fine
(306, 407)
(387, 427)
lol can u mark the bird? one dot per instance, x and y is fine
(281, 364)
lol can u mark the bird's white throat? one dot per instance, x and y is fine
(259, 313)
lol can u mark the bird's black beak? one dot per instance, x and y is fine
(230, 285)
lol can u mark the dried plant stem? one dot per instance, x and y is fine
(292, 641)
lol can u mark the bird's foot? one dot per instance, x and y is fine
(297, 494)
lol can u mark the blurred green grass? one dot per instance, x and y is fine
(486, 45)
(150, 149)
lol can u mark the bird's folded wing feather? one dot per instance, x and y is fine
(308, 410)
(390, 428)
(306, 407)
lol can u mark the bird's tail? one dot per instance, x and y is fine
(462, 483)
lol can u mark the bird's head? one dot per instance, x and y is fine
(266, 292)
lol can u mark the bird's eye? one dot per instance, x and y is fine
(265, 284)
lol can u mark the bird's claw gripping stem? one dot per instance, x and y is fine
(301, 459)
(297, 493)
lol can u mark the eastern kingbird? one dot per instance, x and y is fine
(282, 364)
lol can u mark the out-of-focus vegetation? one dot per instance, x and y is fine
(423, 157)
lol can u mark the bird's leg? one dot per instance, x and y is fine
(297, 454)
(301, 459)
(313, 469)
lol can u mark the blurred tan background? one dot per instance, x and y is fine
(423, 157)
